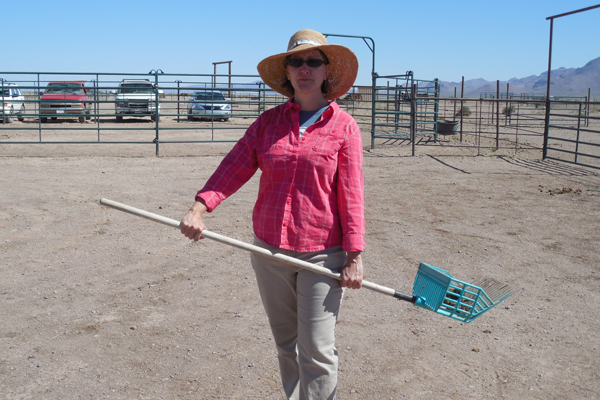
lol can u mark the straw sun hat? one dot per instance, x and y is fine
(342, 63)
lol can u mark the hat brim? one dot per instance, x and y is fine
(343, 69)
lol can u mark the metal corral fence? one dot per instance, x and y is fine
(513, 126)
(404, 110)
(161, 117)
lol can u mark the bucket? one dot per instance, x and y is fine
(447, 127)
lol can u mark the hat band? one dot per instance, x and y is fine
(299, 42)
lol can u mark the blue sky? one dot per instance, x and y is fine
(435, 39)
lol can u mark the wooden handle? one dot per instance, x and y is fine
(243, 245)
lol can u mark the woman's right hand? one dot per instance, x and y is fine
(191, 225)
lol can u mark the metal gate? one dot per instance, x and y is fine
(404, 107)
(573, 132)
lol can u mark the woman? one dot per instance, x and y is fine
(310, 205)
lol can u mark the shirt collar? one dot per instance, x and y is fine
(290, 105)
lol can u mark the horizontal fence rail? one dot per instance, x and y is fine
(166, 115)
(170, 114)
(398, 109)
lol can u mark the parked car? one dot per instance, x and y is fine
(209, 104)
(136, 97)
(65, 99)
(13, 102)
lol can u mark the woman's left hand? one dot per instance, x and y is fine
(352, 272)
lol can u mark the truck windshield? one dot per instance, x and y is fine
(211, 96)
(135, 88)
(64, 88)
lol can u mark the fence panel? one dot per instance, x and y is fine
(162, 115)
(574, 132)
(404, 107)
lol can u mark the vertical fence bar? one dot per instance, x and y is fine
(547, 117)
(4, 121)
(156, 113)
(508, 106)
(478, 134)
(373, 94)
(578, 133)
(387, 103)
(178, 82)
(436, 110)
(462, 111)
(39, 111)
(497, 114)
(587, 109)
(454, 111)
(413, 108)
(97, 106)
(517, 129)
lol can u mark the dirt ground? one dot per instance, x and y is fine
(98, 304)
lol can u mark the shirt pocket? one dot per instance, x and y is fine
(327, 149)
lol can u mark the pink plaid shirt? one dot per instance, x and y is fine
(311, 194)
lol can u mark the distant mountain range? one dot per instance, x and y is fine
(563, 82)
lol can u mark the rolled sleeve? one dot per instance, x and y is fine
(351, 191)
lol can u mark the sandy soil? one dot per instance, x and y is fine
(98, 304)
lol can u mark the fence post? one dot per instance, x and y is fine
(2, 92)
(497, 114)
(156, 113)
(578, 131)
(39, 109)
(587, 108)
(178, 82)
(413, 117)
(436, 109)
(462, 111)
(373, 94)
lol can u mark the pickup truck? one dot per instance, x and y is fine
(136, 97)
(13, 102)
(65, 99)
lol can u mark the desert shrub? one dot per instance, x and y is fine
(464, 111)
(509, 110)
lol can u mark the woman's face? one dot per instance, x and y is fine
(305, 79)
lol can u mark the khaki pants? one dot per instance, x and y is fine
(302, 308)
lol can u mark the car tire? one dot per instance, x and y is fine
(82, 119)
(87, 116)
(119, 118)
(43, 120)
(190, 115)
(21, 115)
(153, 118)
(227, 119)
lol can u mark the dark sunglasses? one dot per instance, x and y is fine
(298, 62)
